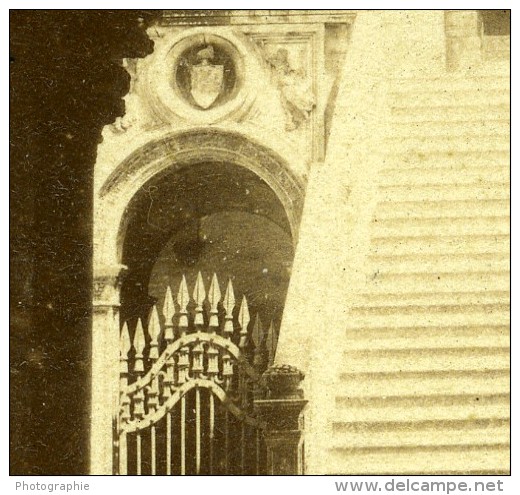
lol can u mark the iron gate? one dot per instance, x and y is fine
(187, 387)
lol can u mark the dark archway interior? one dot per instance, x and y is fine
(210, 217)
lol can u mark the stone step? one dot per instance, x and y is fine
(452, 81)
(500, 56)
(428, 309)
(425, 359)
(441, 245)
(456, 316)
(496, 48)
(411, 336)
(434, 460)
(398, 409)
(450, 127)
(444, 175)
(470, 96)
(419, 227)
(442, 209)
(434, 144)
(425, 434)
(395, 283)
(411, 384)
(444, 113)
(434, 298)
(415, 263)
(445, 192)
(500, 67)
(410, 159)
(439, 339)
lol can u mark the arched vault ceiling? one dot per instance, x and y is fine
(173, 202)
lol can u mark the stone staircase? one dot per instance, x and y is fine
(424, 383)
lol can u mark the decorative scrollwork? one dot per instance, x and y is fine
(202, 346)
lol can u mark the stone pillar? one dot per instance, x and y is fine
(105, 361)
(463, 39)
(282, 409)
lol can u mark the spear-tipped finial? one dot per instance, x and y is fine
(243, 321)
(199, 291)
(214, 296)
(243, 315)
(168, 313)
(199, 294)
(168, 306)
(260, 358)
(125, 344)
(257, 335)
(139, 345)
(229, 304)
(154, 325)
(183, 296)
(229, 298)
(154, 329)
(271, 342)
(183, 299)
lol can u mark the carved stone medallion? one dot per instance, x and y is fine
(206, 76)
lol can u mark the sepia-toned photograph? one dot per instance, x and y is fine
(259, 242)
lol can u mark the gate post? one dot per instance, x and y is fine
(105, 371)
(281, 408)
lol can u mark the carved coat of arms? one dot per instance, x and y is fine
(206, 79)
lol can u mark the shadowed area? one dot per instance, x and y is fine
(66, 83)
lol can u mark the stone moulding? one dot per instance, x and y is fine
(256, 16)
(179, 150)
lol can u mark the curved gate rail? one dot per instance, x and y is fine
(169, 421)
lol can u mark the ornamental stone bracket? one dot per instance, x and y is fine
(281, 408)
(107, 283)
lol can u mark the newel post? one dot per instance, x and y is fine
(281, 408)
(105, 367)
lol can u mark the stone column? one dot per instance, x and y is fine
(463, 39)
(105, 361)
(282, 409)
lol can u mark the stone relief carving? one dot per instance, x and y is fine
(227, 77)
(295, 92)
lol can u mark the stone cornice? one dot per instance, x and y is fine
(242, 17)
(106, 284)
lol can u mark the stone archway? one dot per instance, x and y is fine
(172, 152)
(179, 150)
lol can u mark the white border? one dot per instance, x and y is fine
(258, 485)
